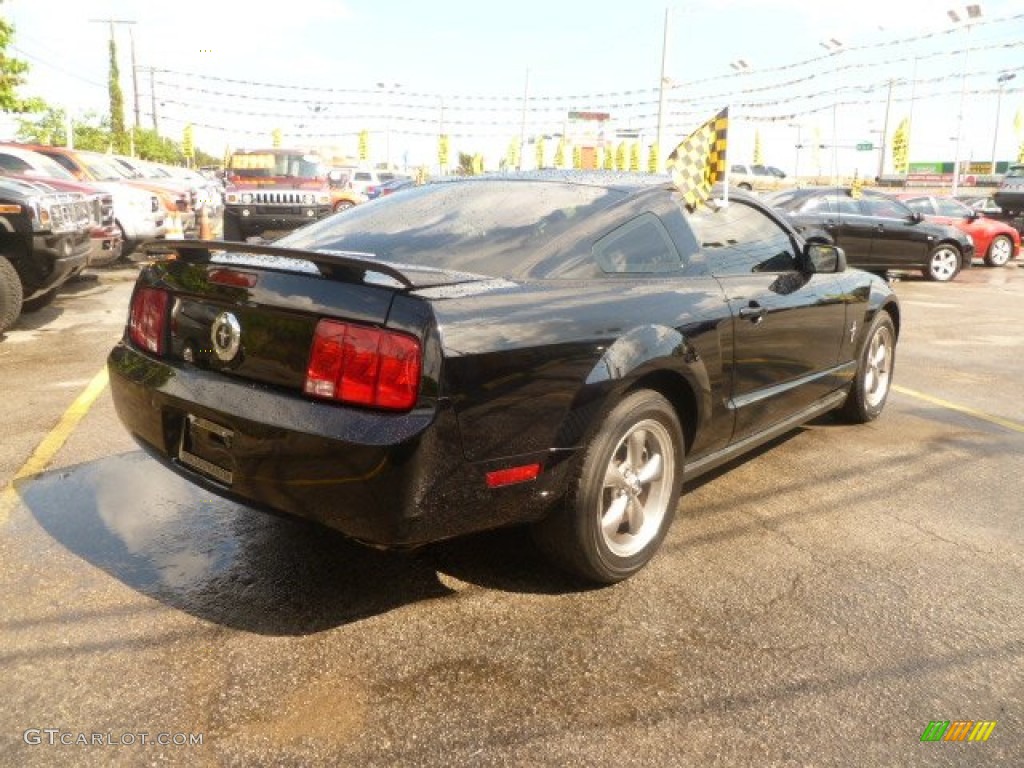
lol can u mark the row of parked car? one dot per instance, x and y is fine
(880, 232)
(63, 210)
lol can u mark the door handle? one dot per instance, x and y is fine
(753, 312)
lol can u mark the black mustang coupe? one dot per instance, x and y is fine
(560, 350)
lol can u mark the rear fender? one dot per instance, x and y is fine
(643, 352)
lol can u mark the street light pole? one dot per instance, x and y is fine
(885, 133)
(833, 46)
(661, 84)
(522, 124)
(973, 12)
(799, 145)
(1003, 78)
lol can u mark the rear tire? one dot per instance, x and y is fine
(10, 294)
(1000, 251)
(622, 501)
(871, 383)
(944, 263)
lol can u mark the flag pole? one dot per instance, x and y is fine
(725, 182)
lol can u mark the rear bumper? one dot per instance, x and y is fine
(389, 480)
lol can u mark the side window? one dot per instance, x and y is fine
(12, 163)
(739, 239)
(640, 246)
(888, 209)
(832, 204)
(67, 162)
(739, 169)
(953, 208)
(921, 205)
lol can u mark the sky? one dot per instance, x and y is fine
(321, 71)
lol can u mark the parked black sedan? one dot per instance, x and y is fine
(560, 350)
(878, 232)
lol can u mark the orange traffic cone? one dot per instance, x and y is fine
(205, 230)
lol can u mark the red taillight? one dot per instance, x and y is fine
(512, 475)
(148, 319)
(363, 366)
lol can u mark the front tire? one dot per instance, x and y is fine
(10, 294)
(871, 383)
(622, 501)
(999, 251)
(943, 263)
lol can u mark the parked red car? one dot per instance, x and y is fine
(996, 241)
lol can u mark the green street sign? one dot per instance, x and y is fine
(865, 146)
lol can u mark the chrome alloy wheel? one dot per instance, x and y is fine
(637, 488)
(1000, 252)
(878, 366)
(944, 263)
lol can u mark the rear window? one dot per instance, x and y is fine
(486, 227)
(1015, 172)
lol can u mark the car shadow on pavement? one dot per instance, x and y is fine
(230, 565)
(222, 562)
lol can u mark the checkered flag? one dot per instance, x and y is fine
(699, 160)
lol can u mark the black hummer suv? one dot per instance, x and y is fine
(44, 241)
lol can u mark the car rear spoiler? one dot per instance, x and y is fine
(327, 262)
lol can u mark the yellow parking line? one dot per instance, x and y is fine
(53, 442)
(991, 418)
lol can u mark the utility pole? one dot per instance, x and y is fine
(152, 96)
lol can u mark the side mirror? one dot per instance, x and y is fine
(824, 259)
(916, 217)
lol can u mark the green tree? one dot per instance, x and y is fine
(634, 156)
(90, 132)
(118, 133)
(12, 75)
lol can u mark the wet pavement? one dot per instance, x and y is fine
(818, 603)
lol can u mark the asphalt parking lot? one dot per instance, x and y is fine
(817, 604)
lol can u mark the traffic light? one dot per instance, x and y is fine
(275, 137)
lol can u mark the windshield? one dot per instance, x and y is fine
(101, 170)
(256, 165)
(1015, 172)
(52, 168)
